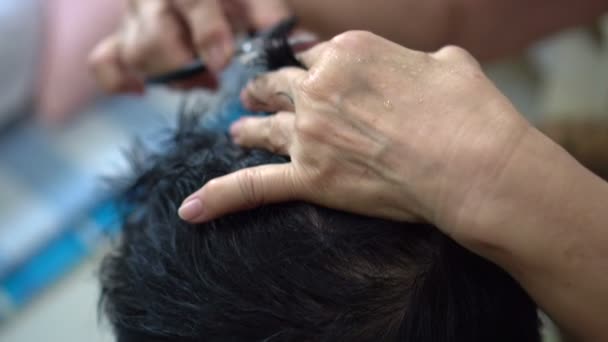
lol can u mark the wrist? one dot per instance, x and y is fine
(511, 172)
(544, 222)
(485, 165)
(539, 189)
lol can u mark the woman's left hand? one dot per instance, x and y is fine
(376, 129)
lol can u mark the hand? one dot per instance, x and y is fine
(380, 130)
(159, 36)
(376, 129)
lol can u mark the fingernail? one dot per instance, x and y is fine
(191, 209)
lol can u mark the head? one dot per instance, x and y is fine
(291, 271)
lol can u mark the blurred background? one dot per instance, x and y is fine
(59, 137)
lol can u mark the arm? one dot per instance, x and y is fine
(546, 223)
(488, 29)
(389, 132)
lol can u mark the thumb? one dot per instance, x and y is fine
(266, 13)
(241, 190)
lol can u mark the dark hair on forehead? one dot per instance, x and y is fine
(291, 271)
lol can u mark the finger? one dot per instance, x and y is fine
(273, 92)
(109, 71)
(272, 133)
(210, 32)
(154, 39)
(244, 189)
(235, 12)
(265, 14)
(311, 56)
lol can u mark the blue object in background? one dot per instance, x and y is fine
(60, 255)
(54, 209)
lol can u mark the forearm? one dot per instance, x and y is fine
(551, 234)
(488, 29)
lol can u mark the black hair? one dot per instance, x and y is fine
(291, 271)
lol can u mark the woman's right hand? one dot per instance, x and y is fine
(159, 36)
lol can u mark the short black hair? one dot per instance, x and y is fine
(291, 271)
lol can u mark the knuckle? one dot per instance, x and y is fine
(275, 139)
(456, 53)
(460, 59)
(267, 135)
(274, 128)
(313, 88)
(310, 126)
(338, 59)
(248, 182)
(352, 45)
(452, 51)
(304, 126)
(353, 40)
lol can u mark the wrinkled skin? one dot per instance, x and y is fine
(374, 128)
(377, 129)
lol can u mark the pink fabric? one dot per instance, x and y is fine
(73, 28)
